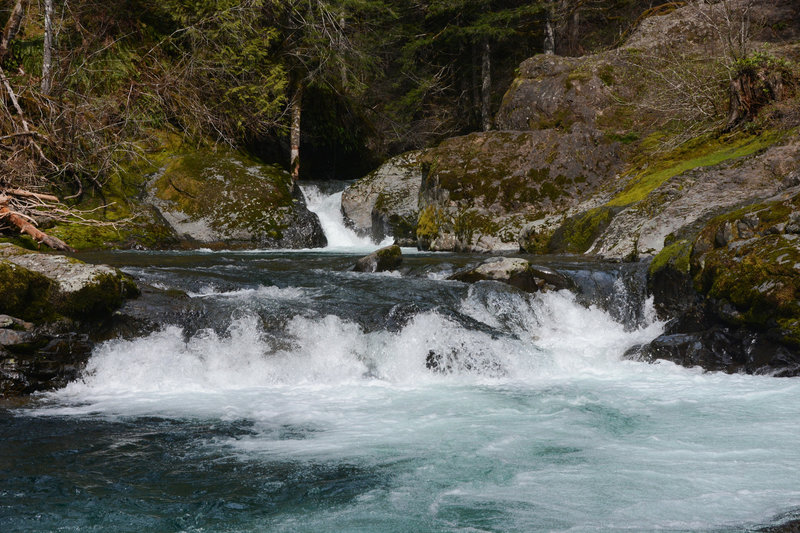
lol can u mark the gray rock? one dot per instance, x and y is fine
(222, 199)
(9, 337)
(385, 202)
(516, 272)
(388, 258)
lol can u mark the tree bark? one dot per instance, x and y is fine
(12, 27)
(47, 51)
(294, 134)
(26, 227)
(549, 30)
(486, 86)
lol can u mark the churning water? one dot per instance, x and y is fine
(286, 393)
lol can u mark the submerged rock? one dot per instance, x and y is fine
(382, 260)
(516, 272)
(222, 199)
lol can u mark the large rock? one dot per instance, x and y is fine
(50, 304)
(480, 191)
(516, 272)
(689, 198)
(37, 287)
(732, 291)
(382, 260)
(385, 202)
(222, 199)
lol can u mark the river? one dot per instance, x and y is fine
(286, 393)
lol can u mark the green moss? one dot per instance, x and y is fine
(428, 223)
(25, 294)
(606, 74)
(578, 233)
(99, 298)
(703, 152)
(676, 255)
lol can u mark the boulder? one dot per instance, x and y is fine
(223, 199)
(50, 305)
(385, 202)
(388, 258)
(732, 292)
(38, 287)
(516, 272)
(481, 190)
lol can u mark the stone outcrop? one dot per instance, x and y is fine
(732, 291)
(382, 260)
(222, 199)
(50, 304)
(479, 191)
(386, 202)
(516, 272)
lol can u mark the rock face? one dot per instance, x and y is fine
(733, 291)
(385, 202)
(481, 190)
(691, 197)
(516, 272)
(50, 303)
(382, 260)
(222, 199)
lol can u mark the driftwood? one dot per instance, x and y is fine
(25, 224)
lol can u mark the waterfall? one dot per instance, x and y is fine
(327, 206)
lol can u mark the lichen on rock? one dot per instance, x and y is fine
(223, 199)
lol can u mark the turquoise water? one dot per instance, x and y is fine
(288, 394)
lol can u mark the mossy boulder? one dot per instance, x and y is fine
(385, 202)
(479, 191)
(385, 259)
(41, 287)
(732, 291)
(221, 198)
(50, 306)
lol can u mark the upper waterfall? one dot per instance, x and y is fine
(327, 206)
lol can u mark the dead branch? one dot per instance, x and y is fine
(24, 226)
(28, 194)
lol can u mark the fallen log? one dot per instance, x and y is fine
(26, 227)
(28, 194)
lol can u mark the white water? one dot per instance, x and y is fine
(340, 238)
(550, 430)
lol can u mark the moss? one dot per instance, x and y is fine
(390, 253)
(576, 75)
(578, 233)
(428, 223)
(606, 74)
(99, 298)
(677, 255)
(25, 294)
(702, 152)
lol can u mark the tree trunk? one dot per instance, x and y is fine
(549, 30)
(12, 27)
(47, 51)
(294, 135)
(486, 87)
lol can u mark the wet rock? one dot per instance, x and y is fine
(385, 202)
(516, 272)
(223, 199)
(40, 286)
(455, 362)
(382, 260)
(723, 349)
